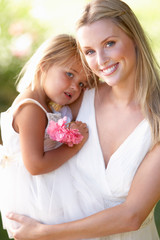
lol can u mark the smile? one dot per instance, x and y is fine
(109, 70)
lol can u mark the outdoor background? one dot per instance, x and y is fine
(25, 24)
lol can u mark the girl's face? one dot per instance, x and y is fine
(63, 84)
(109, 52)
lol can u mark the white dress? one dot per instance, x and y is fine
(82, 186)
(21, 192)
(97, 188)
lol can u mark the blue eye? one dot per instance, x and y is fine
(81, 84)
(69, 74)
(89, 52)
(110, 43)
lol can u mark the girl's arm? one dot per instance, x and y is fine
(30, 121)
(129, 216)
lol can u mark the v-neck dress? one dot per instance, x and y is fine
(83, 186)
(21, 192)
(96, 187)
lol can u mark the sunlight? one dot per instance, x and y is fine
(59, 15)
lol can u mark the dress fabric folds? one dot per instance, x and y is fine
(82, 186)
(97, 187)
(21, 192)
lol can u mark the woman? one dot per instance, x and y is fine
(116, 175)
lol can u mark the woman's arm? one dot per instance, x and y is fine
(30, 121)
(143, 195)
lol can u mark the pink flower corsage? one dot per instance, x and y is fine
(58, 131)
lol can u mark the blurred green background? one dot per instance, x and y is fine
(25, 24)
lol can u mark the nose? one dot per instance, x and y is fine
(102, 58)
(75, 86)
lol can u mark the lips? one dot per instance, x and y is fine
(68, 95)
(109, 70)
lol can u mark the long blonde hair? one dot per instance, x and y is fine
(60, 50)
(147, 83)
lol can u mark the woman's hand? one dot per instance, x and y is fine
(30, 229)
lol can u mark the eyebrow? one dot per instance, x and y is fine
(72, 69)
(104, 40)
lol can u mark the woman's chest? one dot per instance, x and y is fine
(114, 127)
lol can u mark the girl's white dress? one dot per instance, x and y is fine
(20, 191)
(82, 186)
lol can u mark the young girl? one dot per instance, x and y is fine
(54, 74)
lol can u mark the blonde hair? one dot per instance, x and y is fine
(147, 82)
(61, 50)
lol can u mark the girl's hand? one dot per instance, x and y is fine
(82, 127)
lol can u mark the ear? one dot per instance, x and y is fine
(42, 67)
(40, 76)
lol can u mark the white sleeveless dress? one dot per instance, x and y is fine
(96, 188)
(21, 192)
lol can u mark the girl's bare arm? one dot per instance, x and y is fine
(30, 122)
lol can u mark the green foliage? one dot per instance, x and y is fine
(157, 216)
(3, 233)
(20, 34)
(147, 12)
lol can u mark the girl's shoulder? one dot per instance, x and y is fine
(24, 98)
(21, 97)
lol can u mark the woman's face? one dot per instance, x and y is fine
(110, 53)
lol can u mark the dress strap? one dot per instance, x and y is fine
(15, 107)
